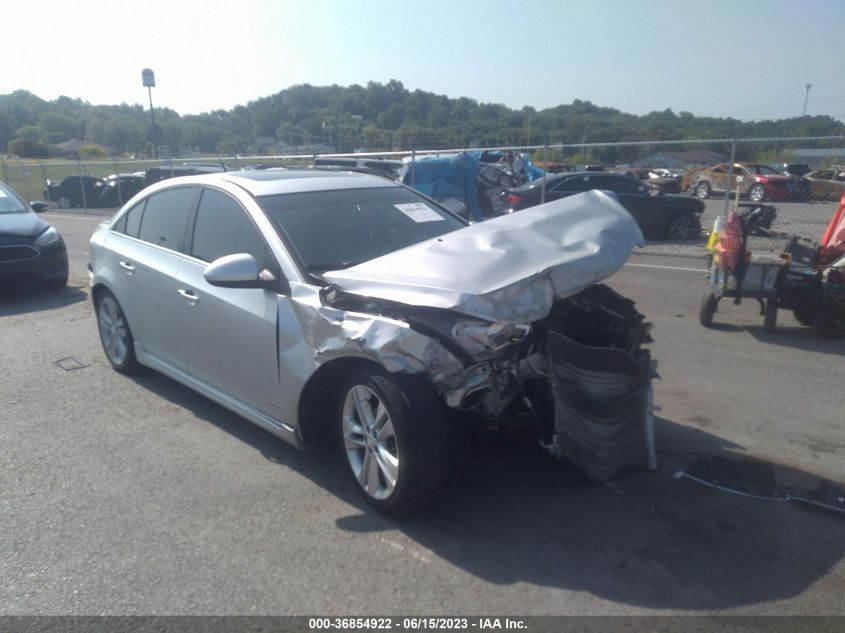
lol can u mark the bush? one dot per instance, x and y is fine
(28, 149)
(92, 151)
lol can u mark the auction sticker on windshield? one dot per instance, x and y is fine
(419, 212)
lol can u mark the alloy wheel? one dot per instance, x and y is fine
(370, 442)
(113, 331)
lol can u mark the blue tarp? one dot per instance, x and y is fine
(454, 176)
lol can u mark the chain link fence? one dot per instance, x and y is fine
(661, 182)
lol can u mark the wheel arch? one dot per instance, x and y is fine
(319, 397)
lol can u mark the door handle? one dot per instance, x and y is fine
(188, 294)
(127, 266)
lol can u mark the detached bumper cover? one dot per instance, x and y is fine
(602, 406)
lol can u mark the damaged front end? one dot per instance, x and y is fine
(581, 376)
(533, 338)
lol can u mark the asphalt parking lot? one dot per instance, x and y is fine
(136, 496)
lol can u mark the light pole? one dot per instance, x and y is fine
(806, 96)
(148, 78)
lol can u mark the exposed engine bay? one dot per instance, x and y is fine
(581, 375)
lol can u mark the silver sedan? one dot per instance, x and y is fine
(316, 304)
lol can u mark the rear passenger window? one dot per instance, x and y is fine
(133, 219)
(223, 228)
(163, 222)
(120, 225)
(582, 183)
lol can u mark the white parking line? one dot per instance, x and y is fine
(691, 270)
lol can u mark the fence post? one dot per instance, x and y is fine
(44, 178)
(82, 186)
(117, 173)
(171, 166)
(413, 169)
(25, 176)
(545, 171)
(730, 177)
(5, 173)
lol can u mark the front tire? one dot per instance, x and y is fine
(64, 202)
(757, 193)
(702, 189)
(115, 335)
(394, 440)
(805, 315)
(58, 283)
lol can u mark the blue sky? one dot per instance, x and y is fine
(749, 59)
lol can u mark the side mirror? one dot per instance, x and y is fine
(38, 206)
(238, 271)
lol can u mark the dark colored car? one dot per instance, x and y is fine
(120, 188)
(791, 169)
(659, 215)
(31, 251)
(76, 191)
(156, 174)
(759, 182)
(378, 166)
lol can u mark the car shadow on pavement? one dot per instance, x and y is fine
(14, 301)
(803, 338)
(660, 540)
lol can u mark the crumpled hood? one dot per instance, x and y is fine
(509, 269)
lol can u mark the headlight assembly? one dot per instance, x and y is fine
(479, 336)
(48, 237)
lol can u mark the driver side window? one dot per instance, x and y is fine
(222, 227)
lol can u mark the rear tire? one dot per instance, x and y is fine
(757, 193)
(393, 438)
(115, 335)
(708, 308)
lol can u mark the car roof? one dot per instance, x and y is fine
(267, 183)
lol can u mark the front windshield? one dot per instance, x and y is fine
(330, 230)
(10, 203)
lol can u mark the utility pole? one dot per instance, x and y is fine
(806, 97)
(148, 78)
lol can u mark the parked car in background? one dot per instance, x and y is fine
(76, 191)
(31, 250)
(470, 183)
(791, 169)
(660, 179)
(660, 216)
(120, 188)
(318, 303)
(378, 166)
(759, 182)
(827, 184)
(157, 174)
